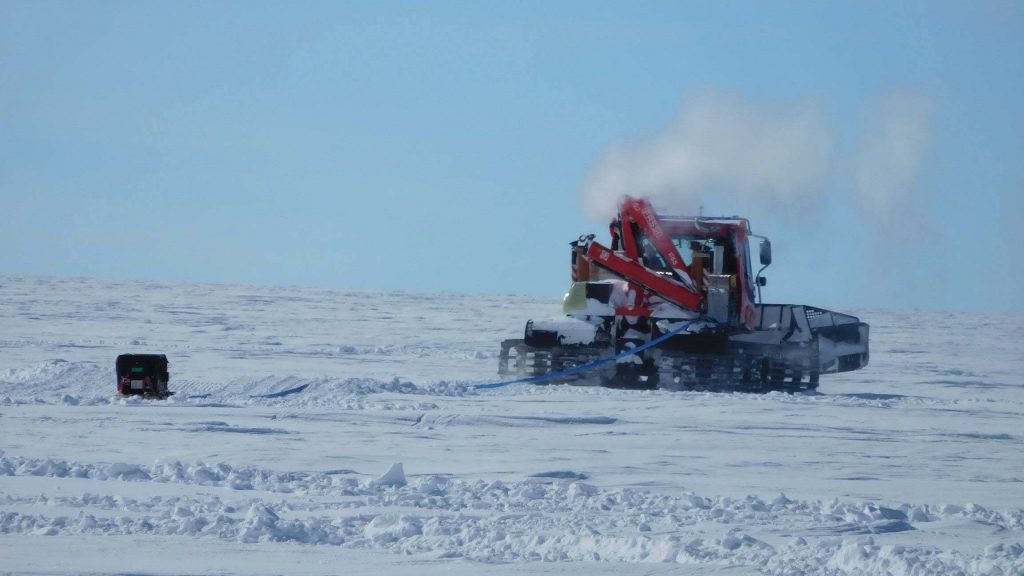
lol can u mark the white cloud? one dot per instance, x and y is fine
(771, 157)
(890, 160)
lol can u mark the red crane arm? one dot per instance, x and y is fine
(634, 272)
(640, 212)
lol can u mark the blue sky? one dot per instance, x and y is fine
(445, 146)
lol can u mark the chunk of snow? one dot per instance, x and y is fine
(387, 528)
(570, 330)
(395, 476)
(260, 524)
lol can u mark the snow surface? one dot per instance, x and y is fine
(337, 432)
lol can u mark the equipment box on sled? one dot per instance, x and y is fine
(142, 375)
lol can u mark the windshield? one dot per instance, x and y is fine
(651, 257)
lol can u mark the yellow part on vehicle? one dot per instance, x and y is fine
(575, 299)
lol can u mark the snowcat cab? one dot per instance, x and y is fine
(690, 274)
(142, 375)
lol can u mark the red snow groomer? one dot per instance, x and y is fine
(142, 375)
(687, 281)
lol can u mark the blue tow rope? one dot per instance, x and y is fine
(589, 366)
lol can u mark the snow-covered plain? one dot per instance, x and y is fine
(280, 452)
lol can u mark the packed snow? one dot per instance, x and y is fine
(336, 432)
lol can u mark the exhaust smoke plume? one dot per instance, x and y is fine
(890, 160)
(743, 156)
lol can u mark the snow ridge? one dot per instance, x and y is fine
(59, 382)
(531, 520)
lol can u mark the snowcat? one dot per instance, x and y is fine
(142, 375)
(686, 283)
